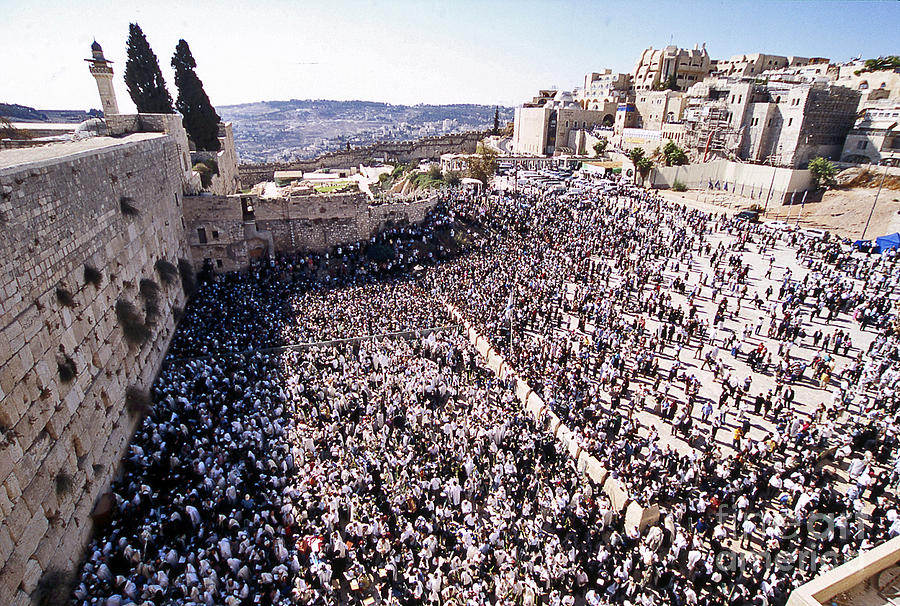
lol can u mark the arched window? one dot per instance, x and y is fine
(863, 85)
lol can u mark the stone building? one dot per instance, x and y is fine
(754, 64)
(225, 233)
(783, 124)
(874, 138)
(655, 67)
(602, 88)
(544, 129)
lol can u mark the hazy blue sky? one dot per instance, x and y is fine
(479, 51)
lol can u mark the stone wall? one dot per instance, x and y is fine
(66, 365)
(242, 227)
(220, 221)
(755, 181)
(400, 151)
(227, 181)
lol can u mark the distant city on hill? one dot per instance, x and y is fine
(272, 131)
(278, 131)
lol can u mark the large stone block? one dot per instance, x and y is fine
(567, 437)
(617, 493)
(641, 517)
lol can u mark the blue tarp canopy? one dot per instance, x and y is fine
(888, 242)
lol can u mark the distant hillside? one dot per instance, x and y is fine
(23, 113)
(271, 131)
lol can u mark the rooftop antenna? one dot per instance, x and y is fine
(671, 36)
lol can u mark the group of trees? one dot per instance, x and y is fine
(642, 164)
(147, 88)
(879, 64)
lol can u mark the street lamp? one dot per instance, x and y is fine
(887, 133)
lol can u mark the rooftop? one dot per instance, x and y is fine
(17, 158)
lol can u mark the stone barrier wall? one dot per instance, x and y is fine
(66, 365)
(636, 516)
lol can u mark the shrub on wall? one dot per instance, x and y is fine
(188, 278)
(65, 297)
(133, 326)
(128, 207)
(67, 369)
(92, 275)
(679, 186)
(167, 272)
(137, 401)
(54, 587)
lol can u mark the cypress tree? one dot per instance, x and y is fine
(496, 121)
(143, 77)
(200, 118)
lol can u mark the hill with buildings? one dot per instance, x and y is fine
(272, 131)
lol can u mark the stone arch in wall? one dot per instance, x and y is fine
(256, 248)
(608, 120)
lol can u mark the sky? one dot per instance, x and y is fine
(455, 51)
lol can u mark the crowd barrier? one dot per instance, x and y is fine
(636, 516)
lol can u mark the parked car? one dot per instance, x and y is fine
(748, 215)
(777, 226)
(816, 234)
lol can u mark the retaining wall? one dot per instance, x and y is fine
(65, 363)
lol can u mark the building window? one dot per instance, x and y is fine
(201, 233)
(790, 121)
(219, 263)
(862, 144)
(215, 235)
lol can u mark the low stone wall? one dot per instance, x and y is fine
(848, 576)
(635, 516)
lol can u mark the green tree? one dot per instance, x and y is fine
(143, 77)
(822, 172)
(496, 129)
(674, 155)
(482, 166)
(200, 118)
(452, 179)
(879, 64)
(643, 166)
(600, 147)
(636, 154)
(671, 83)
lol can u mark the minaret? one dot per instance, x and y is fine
(103, 74)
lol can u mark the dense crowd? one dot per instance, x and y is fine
(401, 471)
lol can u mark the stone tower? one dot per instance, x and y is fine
(103, 74)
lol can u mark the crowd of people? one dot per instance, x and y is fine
(753, 400)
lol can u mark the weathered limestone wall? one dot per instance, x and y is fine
(61, 438)
(315, 222)
(400, 151)
(221, 220)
